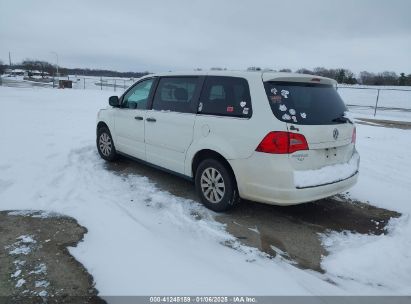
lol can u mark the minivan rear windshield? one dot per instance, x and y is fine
(305, 103)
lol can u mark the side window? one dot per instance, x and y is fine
(137, 97)
(226, 96)
(175, 94)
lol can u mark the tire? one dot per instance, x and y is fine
(105, 144)
(216, 185)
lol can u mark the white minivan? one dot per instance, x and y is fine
(275, 138)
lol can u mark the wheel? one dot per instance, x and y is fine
(216, 185)
(105, 144)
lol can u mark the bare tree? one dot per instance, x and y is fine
(330, 73)
(37, 65)
(304, 71)
(367, 78)
(402, 80)
(389, 78)
(2, 67)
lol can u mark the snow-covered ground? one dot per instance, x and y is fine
(390, 96)
(142, 240)
(358, 95)
(383, 262)
(113, 84)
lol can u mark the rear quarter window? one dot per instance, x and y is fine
(225, 96)
(305, 103)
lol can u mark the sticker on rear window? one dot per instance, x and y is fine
(285, 93)
(294, 118)
(245, 111)
(230, 109)
(243, 104)
(276, 98)
(286, 117)
(305, 101)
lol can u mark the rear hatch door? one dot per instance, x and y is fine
(316, 111)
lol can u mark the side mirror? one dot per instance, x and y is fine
(132, 105)
(114, 101)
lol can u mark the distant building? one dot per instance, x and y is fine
(17, 72)
(27, 73)
(37, 73)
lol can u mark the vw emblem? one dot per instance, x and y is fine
(335, 134)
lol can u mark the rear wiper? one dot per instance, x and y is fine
(342, 119)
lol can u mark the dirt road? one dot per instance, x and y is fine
(292, 232)
(35, 262)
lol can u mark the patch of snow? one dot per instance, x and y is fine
(254, 229)
(327, 174)
(24, 250)
(16, 274)
(34, 213)
(282, 255)
(42, 293)
(26, 239)
(39, 269)
(20, 283)
(42, 283)
(21, 247)
(19, 263)
(381, 261)
(384, 180)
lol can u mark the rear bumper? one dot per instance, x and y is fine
(267, 179)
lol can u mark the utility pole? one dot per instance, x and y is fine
(57, 63)
(9, 59)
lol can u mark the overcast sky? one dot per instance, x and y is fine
(154, 35)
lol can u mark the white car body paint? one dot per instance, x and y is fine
(175, 138)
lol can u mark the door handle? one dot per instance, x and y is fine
(138, 118)
(151, 119)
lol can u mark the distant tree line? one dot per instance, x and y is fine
(2, 67)
(45, 67)
(37, 65)
(102, 73)
(345, 76)
(342, 76)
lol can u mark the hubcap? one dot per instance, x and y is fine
(105, 144)
(212, 185)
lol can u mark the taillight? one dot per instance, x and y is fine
(279, 142)
(297, 142)
(354, 135)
